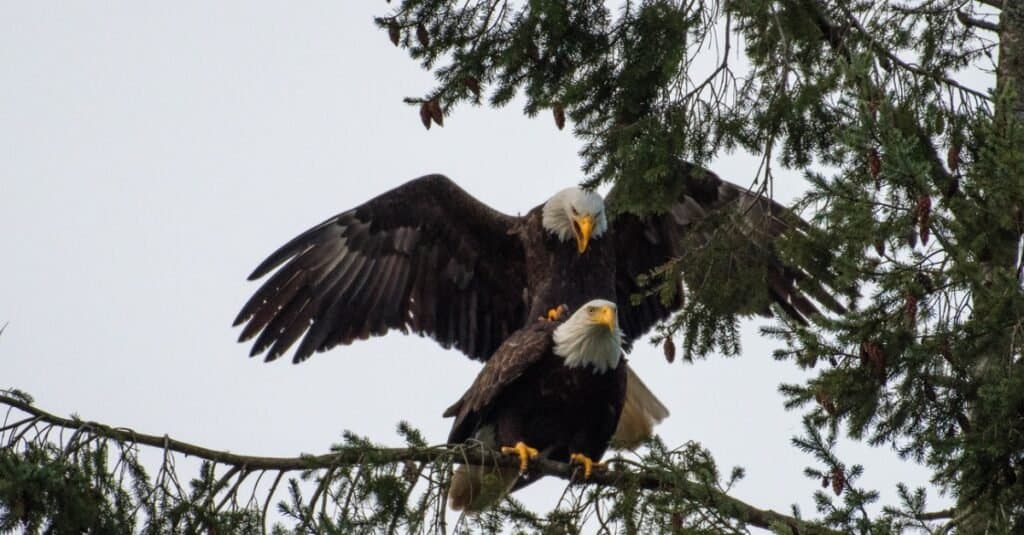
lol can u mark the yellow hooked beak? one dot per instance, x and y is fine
(584, 227)
(605, 316)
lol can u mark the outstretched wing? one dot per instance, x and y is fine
(709, 211)
(520, 351)
(425, 256)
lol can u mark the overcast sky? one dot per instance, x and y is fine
(151, 154)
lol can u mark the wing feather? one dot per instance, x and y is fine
(645, 243)
(424, 257)
(521, 350)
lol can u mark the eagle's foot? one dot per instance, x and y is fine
(557, 314)
(524, 452)
(587, 462)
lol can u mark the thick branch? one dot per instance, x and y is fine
(936, 515)
(1011, 53)
(968, 20)
(998, 4)
(649, 480)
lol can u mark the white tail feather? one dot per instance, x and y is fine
(474, 488)
(640, 413)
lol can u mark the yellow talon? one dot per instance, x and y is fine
(524, 452)
(587, 462)
(557, 313)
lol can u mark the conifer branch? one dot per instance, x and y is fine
(618, 478)
(937, 515)
(836, 39)
(968, 20)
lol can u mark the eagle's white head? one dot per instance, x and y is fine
(575, 213)
(591, 336)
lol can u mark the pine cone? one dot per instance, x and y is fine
(838, 480)
(669, 347)
(875, 166)
(422, 36)
(425, 114)
(394, 32)
(953, 157)
(924, 213)
(559, 113)
(910, 310)
(434, 106)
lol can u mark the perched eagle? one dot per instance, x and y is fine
(429, 258)
(550, 390)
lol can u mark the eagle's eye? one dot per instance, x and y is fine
(591, 309)
(574, 212)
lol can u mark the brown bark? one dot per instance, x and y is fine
(1011, 52)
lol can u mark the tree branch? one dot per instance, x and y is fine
(880, 49)
(835, 35)
(616, 478)
(968, 20)
(998, 4)
(936, 515)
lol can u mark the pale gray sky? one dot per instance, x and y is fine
(152, 154)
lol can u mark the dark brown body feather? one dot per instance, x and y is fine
(526, 393)
(557, 274)
(427, 257)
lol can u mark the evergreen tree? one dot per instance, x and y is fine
(905, 119)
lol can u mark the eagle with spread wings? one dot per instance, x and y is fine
(428, 258)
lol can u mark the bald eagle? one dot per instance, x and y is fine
(429, 258)
(554, 391)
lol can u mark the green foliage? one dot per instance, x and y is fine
(41, 489)
(73, 488)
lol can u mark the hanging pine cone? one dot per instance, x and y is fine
(872, 356)
(875, 166)
(425, 114)
(838, 480)
(924, 212)
(422, 36)
(910, 310)
(394, 32)
(669, 347)
(559, 113)
(434, 106)
(953, 157)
